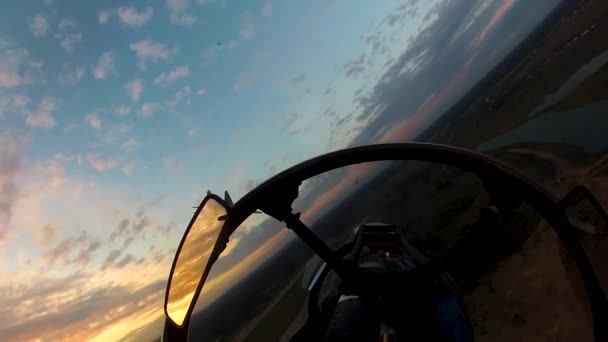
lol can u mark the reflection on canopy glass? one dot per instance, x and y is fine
(193, 258)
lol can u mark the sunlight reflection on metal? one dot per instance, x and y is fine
(193, 258)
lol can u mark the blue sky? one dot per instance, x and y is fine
(116, 117)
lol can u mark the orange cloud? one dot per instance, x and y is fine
(433, 106)
(68, 315)
(495, 19)
(412, 125)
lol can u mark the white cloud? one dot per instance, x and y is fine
(193, 132)
(174, 165)
(10, 167)
(222, 3)
(93, 120)
(177, 5)
(70, 127)
(45, 234)
(201, 91)
(38, 25)
(103, 16)
(134, 89)
(105, 65)
(11, 61)
(149, 108)
(42, 117)
(182, 95)
(266, 10)
(66, 23)
(10, 80)
(71, 77)
(69, 40)
(149, 51)
(179, 12)
(36, 64)
(101, 164)
(13, 103)
(247, 28)
(21, 100)
(117, 132)
(130, 16)
(165, 79)
(185, 19)
(5, 42)
(62, 158)
(128, 168)
(243, 82)
(122, 110)
(57, 172)
(130, 145)
(262, 54)
(67, 36)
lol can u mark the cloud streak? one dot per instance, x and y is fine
(10, 165)
(179, 12)
(131, 17)
(93, 120)
(128, 168)
(266, 9)
(71, 77)
(101, 164)
(13, 103)
(38, 25)
(124, 110)
(130, 145)
(12, 66)
(42, 117)
(46, 234)
(242, 83)
(104, 16)
(247, 26)
(149, 51)
(105, 65)
(58, 177)
(149, 108)
(134, 88)
(67, 36)
(168, 78)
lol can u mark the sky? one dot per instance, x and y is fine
(116, 117)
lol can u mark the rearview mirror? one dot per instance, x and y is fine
(585, 212)
(191, 264)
